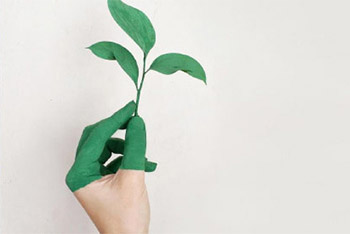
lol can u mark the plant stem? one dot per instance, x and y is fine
(141, 84)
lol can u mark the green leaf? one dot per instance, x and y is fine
(173, 62)
(113, 51)
(135, 23)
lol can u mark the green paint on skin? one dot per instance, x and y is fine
(96, 147)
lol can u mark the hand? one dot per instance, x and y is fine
(114, 196)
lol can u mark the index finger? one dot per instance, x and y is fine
(107, 127)
(104, 129)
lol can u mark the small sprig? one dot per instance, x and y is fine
(137, 25)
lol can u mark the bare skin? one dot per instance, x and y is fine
(117, 203)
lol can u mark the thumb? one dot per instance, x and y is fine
(135, 145)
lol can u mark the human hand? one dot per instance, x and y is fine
(114, 196)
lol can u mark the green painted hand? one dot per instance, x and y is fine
(96, 147)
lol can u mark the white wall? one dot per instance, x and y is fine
(264, 148)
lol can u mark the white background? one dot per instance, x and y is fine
(264, 148)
